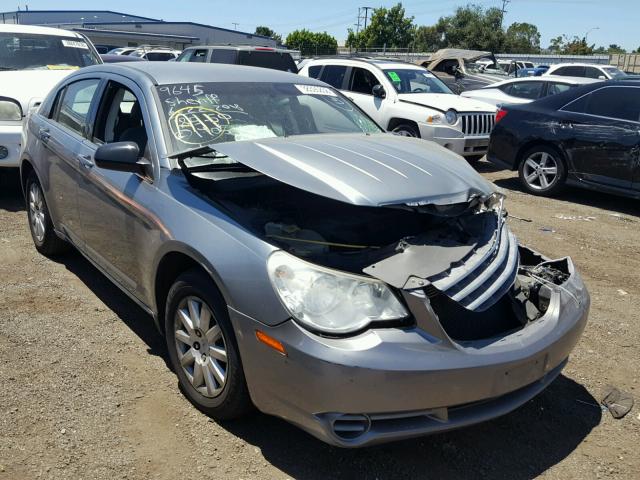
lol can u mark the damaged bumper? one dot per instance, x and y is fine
(391, 383)
(454, 140)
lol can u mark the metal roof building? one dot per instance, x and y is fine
(116, 29)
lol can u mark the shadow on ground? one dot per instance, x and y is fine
(585, 197)
(11, 198)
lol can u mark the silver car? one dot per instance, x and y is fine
(363, 286)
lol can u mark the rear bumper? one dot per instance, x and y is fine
(455, 140)
(392, 384)
(11, 139)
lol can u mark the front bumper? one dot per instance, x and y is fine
(391, 384)
(11, 139)
(455, 140)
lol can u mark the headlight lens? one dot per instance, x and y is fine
(451, 116)
(328, 300)
(10, 111)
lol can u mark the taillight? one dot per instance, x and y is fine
(501, 114)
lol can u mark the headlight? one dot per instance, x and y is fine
(10, 110)
(328, 300)
(451, 116)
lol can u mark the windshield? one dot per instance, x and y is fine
(614, 72)
(416, 81)
(26, 51)
(199, 114)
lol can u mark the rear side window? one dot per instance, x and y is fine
(75, 103)
(314, 71)
(613, 102)
(159, 56)
(529, 90)
(223, 56)
(553, 88)
(267, 59)
(570, 71)
(334, 75)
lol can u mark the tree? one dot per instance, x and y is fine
(613, 48)
(312, 43)
(428, 39)
(472, 27)
(388, 27)
(574, 46)
(522, 38)
(267, 32)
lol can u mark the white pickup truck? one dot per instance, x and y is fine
(32, 61)
(409, 100)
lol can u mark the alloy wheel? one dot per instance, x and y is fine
(403, 133)
(540, 170)
(36, 212)
(201, 347)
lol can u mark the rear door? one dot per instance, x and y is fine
(604, 128)
(61, 136)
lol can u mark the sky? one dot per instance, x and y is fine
(608, 22)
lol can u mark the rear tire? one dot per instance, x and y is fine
(406, 130)
(44, 237)
(473, 159)
(203, 349)
(542, 171)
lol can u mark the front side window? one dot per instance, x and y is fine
(199, 56)
(267, 59)
(573, 71)
(593, 72)
(75, 103)
(334, 75)
(119, 118)
(416, 81)
(613, 102)
(363, 81)
(27, 51)
(220, 55)
(208, 113)
(314, 71)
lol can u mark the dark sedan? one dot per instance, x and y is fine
(588, 136)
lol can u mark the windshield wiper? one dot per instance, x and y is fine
(7, 68)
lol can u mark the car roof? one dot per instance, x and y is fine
(12, 28)
(379, 62)
(161, 73)
(581, 64)
(262, 48)
(547, 78)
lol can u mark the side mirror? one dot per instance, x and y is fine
(601, 77)
(122, 157)
(378, 91)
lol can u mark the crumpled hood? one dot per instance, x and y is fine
(28, 86)
(444, 101)
(368, 170)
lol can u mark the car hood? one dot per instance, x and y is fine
(445, 101)
(367, 170)
(29, 86)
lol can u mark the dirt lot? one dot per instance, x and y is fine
(85, 391)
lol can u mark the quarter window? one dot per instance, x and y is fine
(75, 105)
(554, 88)
(334, 75)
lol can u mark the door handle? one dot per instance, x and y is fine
(85, 161)
(44, 134)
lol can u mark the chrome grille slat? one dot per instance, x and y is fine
(475, 124)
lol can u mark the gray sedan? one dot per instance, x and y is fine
(363, 286)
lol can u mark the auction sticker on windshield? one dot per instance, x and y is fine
(315, 90)
(394, 77)
(75, 44)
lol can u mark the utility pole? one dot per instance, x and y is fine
(503, 10)
(235, 25)
(366, 14)
(358, 24)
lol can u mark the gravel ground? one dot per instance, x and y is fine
(86, 391)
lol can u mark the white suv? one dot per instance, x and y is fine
(32, 61)
(588, 70)
(409, 100)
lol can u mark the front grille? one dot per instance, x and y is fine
(482, 279)
(477, 123)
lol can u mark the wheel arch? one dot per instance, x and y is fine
(538, 142)
(26, 167)
(170, 265)
(396, 121)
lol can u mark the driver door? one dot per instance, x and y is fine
(360, 90)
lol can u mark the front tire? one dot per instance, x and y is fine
(44, 237)
(203, 349)
(542, 171)
(406, 130)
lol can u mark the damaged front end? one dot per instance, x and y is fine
(460, 255)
